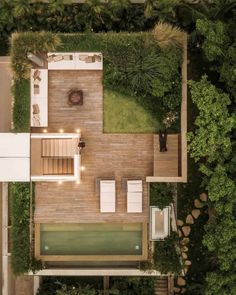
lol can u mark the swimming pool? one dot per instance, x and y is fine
(85, 240)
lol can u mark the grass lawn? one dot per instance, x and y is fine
(122, 114)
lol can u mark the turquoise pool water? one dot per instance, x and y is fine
(91, 239)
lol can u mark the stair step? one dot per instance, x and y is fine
(55, 166)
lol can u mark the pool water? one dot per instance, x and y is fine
(91, 239)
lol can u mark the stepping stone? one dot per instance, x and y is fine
(187, 262)
(184, 249)
(180, 233)
(181, 281)
(184, 255)
(189, 219)
(185, 270)
(176, 289)
(196, 213)
(186, 230)
(183, 291)
(198, 204)
(184, 241)
(180, 222)
(203, 197)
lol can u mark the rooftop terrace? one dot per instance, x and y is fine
(105, 155)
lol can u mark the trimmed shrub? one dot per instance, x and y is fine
(21, 109)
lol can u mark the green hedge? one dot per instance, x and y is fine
(20, 210)
(161, 194)
(134, 65)
(21, 109)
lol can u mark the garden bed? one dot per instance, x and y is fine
(94, 285)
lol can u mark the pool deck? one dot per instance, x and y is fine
(105, 156)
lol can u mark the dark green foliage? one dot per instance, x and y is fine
(20, 209)
(93, 285)
(165, 257)
(21, 109)
(214, 126)
(21, 261)
(67, 18)
(52, 285)
(227, 72)
(161, 194)
(215, 38)
(211, 140)
(133, 285)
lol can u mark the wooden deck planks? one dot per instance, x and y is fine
(105, 155)
(166, 164)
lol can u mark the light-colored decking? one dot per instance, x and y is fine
(167, 164)
(105, 155)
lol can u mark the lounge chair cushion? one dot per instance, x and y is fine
(107, 196)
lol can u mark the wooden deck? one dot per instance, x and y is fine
(167, 164)
(105, 155)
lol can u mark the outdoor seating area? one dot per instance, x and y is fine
(107, 194)
(75, 61)
(39, 97)
(39, 81)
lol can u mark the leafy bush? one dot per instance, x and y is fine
(93, 286)
(165, 257)
(52, 285)
(211, 139)
(23, 43)
(133, 285)
(20, 209)
(161, 194)
(216, 38)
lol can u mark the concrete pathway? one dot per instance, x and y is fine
(5, 94)
(5, 124)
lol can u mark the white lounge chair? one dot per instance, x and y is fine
(107, 196)
(160, 223)
(134, 196)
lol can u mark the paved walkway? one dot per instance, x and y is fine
(5, 94)
(5, 124)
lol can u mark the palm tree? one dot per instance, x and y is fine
(167, 35)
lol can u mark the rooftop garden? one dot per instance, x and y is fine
(142, 75)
